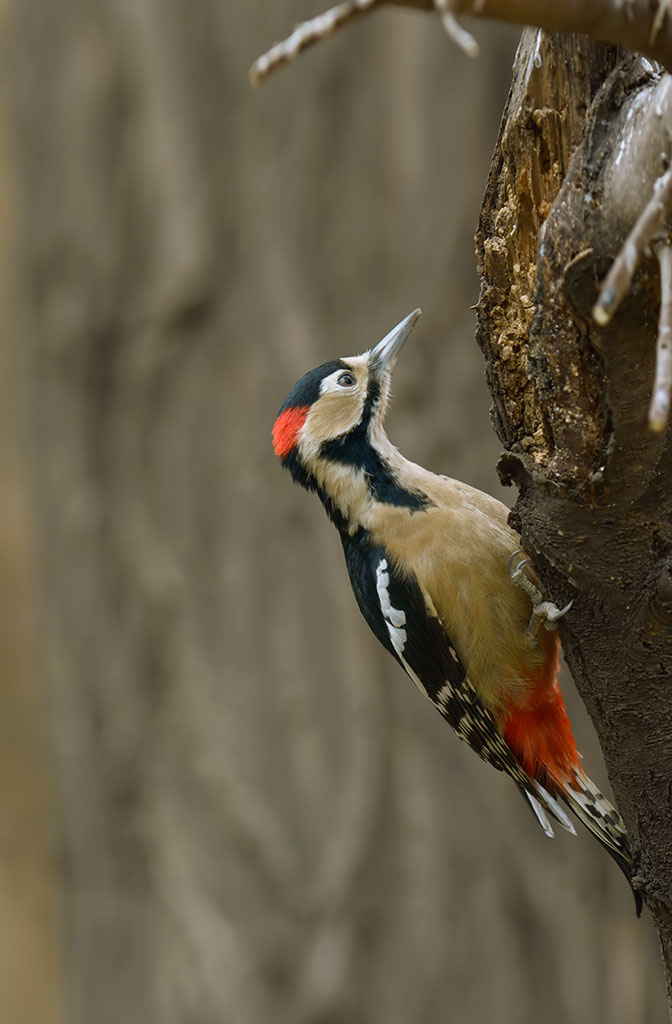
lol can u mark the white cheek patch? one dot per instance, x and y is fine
(329, 383)
(394, 618)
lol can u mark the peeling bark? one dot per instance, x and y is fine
(571, 402)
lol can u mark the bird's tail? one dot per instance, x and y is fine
(593, 810)
(602, 819)
(599, 816)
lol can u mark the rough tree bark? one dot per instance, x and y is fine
(577, 157)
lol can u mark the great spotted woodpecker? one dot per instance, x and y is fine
(439, 576)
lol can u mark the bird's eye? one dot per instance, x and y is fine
(346, 380)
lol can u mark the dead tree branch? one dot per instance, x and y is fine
(306, 34)
(636, 25)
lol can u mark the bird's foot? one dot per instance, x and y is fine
(542, 611)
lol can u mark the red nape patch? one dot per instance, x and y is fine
(540, 735)
(285, 429)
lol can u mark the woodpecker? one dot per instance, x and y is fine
(441, 579)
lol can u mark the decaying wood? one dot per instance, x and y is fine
(540, 130)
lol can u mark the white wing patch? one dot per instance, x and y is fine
(394, 618)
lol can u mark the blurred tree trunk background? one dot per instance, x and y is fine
(221, 801)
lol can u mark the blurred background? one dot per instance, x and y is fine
(221, 800)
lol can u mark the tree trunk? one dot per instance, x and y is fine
(584, 137)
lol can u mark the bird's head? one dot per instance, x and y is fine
(337, 410)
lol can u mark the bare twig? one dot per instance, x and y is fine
(323, 25)
(463, 39)
(307, 33)
(648, 225)
(660, 400)
(663, 9)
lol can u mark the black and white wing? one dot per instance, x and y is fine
(406, 624)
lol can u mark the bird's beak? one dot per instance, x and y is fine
(384, 355)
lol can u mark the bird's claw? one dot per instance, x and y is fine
(548, 613)
(524, 560)
(545, 612)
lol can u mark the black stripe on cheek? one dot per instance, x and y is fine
(372, 397)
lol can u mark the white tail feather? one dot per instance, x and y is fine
(558, 811)
(540, 812)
